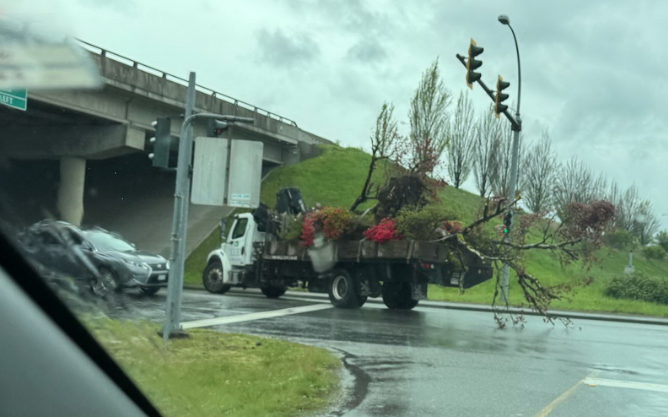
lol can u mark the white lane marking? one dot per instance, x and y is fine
(625, 384)
(254, 316)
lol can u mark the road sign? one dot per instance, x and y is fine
(209, 172)
(211, 185)
(15, 98)
(245, 174)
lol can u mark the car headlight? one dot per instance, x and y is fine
(167, 265)
(142, 265)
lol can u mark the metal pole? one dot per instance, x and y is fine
(172, 324)
(519, 72)
(517, 128)
(511, 199)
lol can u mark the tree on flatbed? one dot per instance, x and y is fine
(409, 196)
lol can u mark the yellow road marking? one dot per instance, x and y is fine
(551, 406)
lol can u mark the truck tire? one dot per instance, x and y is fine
(272, 291)
(212, 278)
(343, 291)
(397, 296)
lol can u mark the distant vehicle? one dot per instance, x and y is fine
(96, 256)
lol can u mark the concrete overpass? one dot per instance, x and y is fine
(82, 155)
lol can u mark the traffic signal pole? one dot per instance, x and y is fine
(511, 198)
(172, 327)
(516, 126)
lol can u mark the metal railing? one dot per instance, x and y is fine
(182, 81)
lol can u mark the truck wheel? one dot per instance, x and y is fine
(272, 291)
(397, 296)
(343, 291)
(212, 278)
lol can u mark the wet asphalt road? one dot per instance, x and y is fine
(433, 361)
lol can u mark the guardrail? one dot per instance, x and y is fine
(151, 70)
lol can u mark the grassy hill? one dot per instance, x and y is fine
(336, 177)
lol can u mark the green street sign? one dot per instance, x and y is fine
(14, 98)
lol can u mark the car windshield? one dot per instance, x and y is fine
(347, 208)
(105, 241)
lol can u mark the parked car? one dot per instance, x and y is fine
(96, 256)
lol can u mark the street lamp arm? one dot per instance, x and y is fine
(519, 72)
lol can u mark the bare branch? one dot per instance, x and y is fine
(383, 147)
(539, 245)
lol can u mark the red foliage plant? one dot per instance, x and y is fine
(331, 221)
(587, 221)
(382, 232)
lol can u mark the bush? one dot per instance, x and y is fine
(639, 287)
(291, 227)
(620, 239)
(654, 252)
(422, 224)
(661, 239)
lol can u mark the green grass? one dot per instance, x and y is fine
(335, 178)
(197, 260)
(221, 374)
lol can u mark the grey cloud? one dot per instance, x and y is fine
(352, 15)
(287, 50)
(367, 50)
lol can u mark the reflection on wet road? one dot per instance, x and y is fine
(432, 361)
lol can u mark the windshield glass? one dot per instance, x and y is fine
(105, 241)
(441, 207)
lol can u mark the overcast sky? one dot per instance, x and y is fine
(593, 71)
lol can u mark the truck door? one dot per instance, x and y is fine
(239, 246)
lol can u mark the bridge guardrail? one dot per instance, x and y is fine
(159, 73)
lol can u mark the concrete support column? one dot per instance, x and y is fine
(71, 190)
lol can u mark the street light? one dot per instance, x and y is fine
(506, 21)
(517, 128)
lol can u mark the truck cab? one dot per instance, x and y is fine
(234, 262)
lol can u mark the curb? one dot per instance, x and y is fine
(557, 314)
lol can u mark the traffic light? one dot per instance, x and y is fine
(507, 222)
(499, 107)
(161, 142)
(214, 128)
(473, 64)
